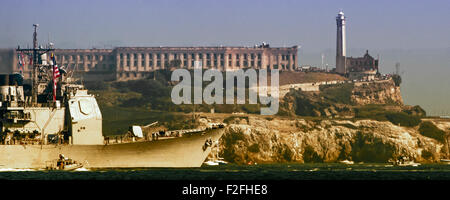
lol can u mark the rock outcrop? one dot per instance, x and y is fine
(380, 92)
(340, 100)
(269, 140)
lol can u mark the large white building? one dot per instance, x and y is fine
(128, 63)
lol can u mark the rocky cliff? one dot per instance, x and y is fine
(341, 100)
(268, 140)
(381, 92)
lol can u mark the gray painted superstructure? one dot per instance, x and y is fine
(55, 115)
(76, 122)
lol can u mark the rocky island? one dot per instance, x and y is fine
(360, 122)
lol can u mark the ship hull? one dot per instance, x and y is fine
(186, 151)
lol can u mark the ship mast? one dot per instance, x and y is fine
(35, 52)
(35, 66)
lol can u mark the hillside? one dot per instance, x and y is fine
(149, 98)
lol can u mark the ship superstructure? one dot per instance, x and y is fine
(55, 116)
(52, 109)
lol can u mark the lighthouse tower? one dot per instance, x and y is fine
(340, 44)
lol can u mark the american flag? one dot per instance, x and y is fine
(56, 73)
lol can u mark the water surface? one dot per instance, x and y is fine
(316, 171)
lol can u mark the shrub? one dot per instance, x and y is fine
(416, 110)
(377, 112)
(372, 111)
(340, 93)
(403, 119)
(428, 129)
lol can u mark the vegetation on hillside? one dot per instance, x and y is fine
(331, 100)
(340, 93)
(430, 130)
(379, 113)
(143, 101)
(150, 98)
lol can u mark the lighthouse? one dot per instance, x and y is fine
(340, 44)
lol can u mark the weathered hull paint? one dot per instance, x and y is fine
(186, 151)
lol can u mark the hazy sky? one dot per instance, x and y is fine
(415, 33)
(381, 24)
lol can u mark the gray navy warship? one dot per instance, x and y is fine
(54, 116)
